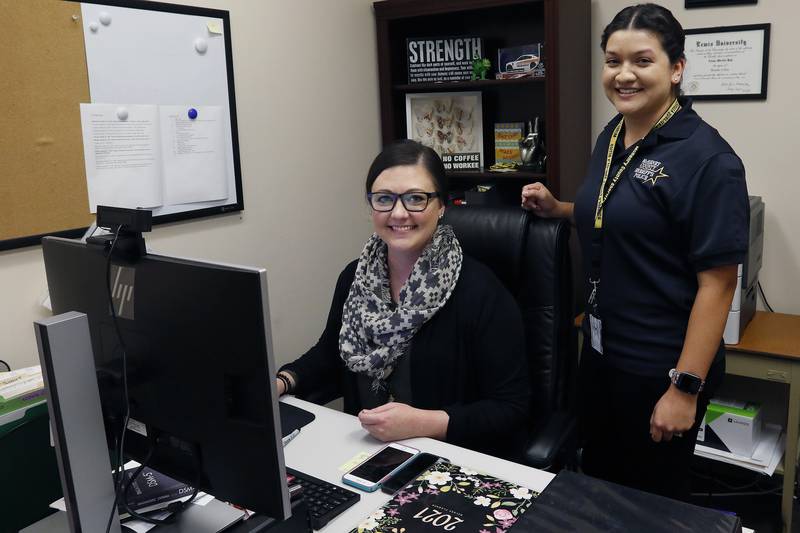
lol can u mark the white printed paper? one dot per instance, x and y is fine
(194, 164)
(123, 167)
(156, 156)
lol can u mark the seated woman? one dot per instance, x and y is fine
(421, 340)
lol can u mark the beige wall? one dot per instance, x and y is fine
(307, 104)
(763, 133)
(308, 133)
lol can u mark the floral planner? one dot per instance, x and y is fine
(451, 498)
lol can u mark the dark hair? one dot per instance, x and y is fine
(653, 18)
(408, 152)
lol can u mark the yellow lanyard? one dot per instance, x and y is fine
(602, 196)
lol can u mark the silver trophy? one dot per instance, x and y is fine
(531, 148)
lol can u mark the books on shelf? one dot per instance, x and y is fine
(19, 390)
(20, 382)
(448, 497)
(507, 136)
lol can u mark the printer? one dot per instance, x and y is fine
(743, 306)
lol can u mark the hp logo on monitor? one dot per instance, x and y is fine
(122, 290)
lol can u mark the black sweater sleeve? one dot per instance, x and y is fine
(319, 370)
(496, 419)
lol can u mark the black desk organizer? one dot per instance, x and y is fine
(293, 418)
(574, 502)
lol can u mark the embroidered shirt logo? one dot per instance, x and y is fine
(650, 170)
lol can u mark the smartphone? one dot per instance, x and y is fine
(409, 471)
(369, 475)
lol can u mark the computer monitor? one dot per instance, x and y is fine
(200, 372)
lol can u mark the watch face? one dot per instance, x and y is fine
(688, 383)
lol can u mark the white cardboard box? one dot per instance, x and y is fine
(731, 426)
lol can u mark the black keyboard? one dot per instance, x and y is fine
(325, 501)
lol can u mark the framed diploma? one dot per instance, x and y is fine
(715, 3)
(727, 63)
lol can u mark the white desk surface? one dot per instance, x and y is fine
(334, 438)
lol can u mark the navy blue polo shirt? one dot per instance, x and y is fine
(681, 207)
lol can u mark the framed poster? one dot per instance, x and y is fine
(451, 124)
(727, 63)
(716, 3)
(438, 59)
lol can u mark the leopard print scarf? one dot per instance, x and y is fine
(376, 332)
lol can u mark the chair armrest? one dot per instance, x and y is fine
(551, 441)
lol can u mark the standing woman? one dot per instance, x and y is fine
(662, 219)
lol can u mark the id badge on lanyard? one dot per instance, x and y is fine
(606, 187)
(595, 324)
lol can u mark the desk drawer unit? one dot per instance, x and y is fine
(758, 366)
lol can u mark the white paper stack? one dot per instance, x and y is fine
(20, 382)
(766, 456)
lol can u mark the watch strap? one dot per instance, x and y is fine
(686, 381)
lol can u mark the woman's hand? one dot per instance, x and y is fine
(673, 414)
(537, 198)
(396, 421)
(675, 411)
(281, 386)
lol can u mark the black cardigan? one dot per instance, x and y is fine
(468, 360)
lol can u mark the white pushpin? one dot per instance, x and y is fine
(200, 45)
(94, 26)
(122, 113)
(105, 18)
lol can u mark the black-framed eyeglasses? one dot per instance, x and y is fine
(413, 201)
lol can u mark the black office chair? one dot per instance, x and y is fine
(530, 255)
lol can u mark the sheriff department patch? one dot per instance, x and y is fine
(649, 171)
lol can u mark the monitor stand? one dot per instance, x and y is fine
(211, 518)
(297, 523)
(76, 421)
(73, 402)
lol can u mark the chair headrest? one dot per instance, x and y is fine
(495, 236)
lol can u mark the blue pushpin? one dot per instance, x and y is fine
(192, 113)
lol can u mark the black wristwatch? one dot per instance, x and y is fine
(686, 381)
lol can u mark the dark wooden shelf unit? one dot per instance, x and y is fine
(473, 85)
(474, 175)
(562, 98)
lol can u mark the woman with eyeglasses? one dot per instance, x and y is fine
(662, 219)
(421, 340)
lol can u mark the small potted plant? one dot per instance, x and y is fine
(480, 67)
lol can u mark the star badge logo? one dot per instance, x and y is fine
(649, 171)
(654, 177)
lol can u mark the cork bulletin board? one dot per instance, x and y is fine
(45, 76)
